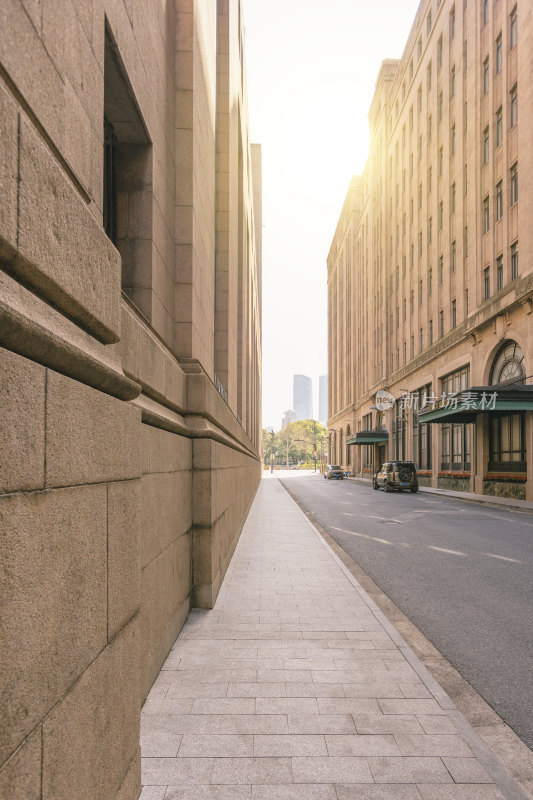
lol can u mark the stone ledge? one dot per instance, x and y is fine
(35, 330)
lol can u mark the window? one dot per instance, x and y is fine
(420, 287)
(419, 94)
(440, 51)
(411, 119)
(499, 54)
(507, 443)
(430, 173)
(465, 117)
(486, 76)
(441, 214)
(514, 106)
(420, 196)
(429, 77)
(453, 255)
(454, 314)
(412, 256)
(486, 149)
(486, 283)
(465, 179)
(412, 301)
(452, 82)
(421, 339)
(466, 301)
(514, 261)
(412, 210)
(403, 136)
(127, 184)
(499, 273)
(420, 48)
(430, 231)
(499, 200)
(431, 331)
(514, 183)
(455, 447)
(513, 29)
(441, 160)
(452, 141)
(452, 23)
(428, 23)
(411, 165)
(411, 70)
(404, 313)
(420, 243)
(412, 346)
(499, 127)
(452, 198)
(485, 11)
(441, 323)
(441, 106)
(430, 128)
(398, 427)
(441, 269)
(486, 215)
(430, 281)
(465, 241)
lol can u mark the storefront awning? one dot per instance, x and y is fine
(463, 407)
(369, 437)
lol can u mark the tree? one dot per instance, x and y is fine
(296, 443)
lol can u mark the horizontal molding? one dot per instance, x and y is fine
(190, 426)
(33, 329)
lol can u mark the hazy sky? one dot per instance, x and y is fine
(312, 67)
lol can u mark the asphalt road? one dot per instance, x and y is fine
(461, 572)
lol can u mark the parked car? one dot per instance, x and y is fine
(396, 476)
(333, 471)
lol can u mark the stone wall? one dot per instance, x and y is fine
(126, 467)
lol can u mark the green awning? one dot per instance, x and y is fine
(369, 437)
(463, 407)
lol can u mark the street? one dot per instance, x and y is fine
(461, 572)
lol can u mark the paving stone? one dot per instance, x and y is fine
(208, 793)
(466, 770)
(314, 690)
(456, 792)
(408, 770)
(386, 723)
(302, 791)
(252, 770)
(331, 769)
(160, 744)
(348, 705)
(290, 745)
(321, 723)
(429, 745)
(165, 771)
(361, 745)
(216, 745)
(397, 791)
(286, 705)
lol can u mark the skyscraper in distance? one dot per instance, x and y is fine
(302, 397)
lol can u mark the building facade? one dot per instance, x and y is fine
(430, 281)
(130, 335)
(302, 397)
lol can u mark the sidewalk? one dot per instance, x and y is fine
(296, 687)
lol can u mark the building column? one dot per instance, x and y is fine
(529, 454)
(481, 445)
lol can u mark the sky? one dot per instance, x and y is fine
(311, 72)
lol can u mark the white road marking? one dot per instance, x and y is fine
(502, 558)
(444, 550)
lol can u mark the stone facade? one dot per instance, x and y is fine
(430, 284)
(130, 349)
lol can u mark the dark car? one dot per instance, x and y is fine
(333, 471)
(396, 476)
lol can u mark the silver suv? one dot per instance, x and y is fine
(333, 471)
(396, 475)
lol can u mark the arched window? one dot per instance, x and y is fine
(508, 366)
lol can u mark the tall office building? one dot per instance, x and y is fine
(302, 397)
(430, 283)
(323, 399)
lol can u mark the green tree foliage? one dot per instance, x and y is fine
(295, 443)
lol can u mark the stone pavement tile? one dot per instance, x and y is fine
(208, 793)
(160, 744)
(240, 663)
(466, 770)
(211, 676)
(196, 690)
(397, 791)
(353, 675)
(257, 689)
(321, 723)
(361, 745)
(301, 791)
(432, 745)
(286, 705)
(251, 723)
(463, 792)
(415, 690)
(277, 675)
(154, 705)
(314, 689)
(330, 770)
(225, 705)
(436, 724)
(290, 745)
(252, 770)
(410, 707)
(405, 769)
(153, 793)
(379, 689)
(314, 662)
(165, 771)
(216, 745)
(348, 705)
